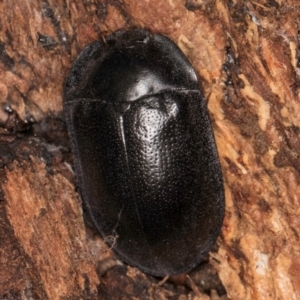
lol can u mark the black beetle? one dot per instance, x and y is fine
(144, 151)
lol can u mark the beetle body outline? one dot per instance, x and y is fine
(144, 151)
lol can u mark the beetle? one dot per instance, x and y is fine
(144, 151)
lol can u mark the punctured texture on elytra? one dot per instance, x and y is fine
(144, 151)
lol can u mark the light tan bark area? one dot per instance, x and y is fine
(48, 225)
(258, 139)
(246, 54)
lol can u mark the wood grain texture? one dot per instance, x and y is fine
(45, 215)
(246, 54)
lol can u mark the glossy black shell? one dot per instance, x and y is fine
(144, 151)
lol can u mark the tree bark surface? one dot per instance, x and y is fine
(246, 54)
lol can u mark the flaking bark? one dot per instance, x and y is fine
(246, 56)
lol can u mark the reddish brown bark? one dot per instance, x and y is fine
(246, 56)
